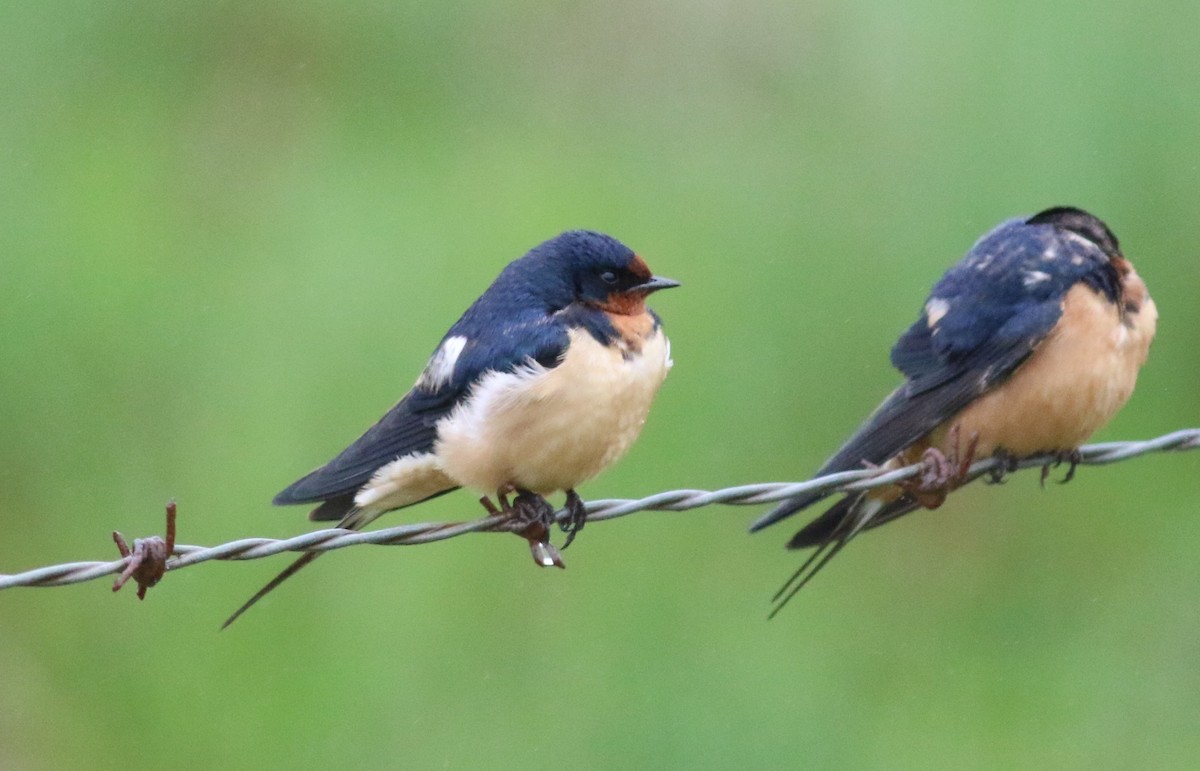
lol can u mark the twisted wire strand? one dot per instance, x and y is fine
(598, 511)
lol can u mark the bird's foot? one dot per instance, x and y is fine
(1006, 463)
(576, 517)
(931, 486)
(941, 473)
(534, 515)
(1072, 457)
(532, 508)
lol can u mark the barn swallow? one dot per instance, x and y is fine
(1028, 345)
(544, 382)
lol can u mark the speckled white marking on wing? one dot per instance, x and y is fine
(1071, 235)
(1079, 257)
(1034, 277)
(440, 368)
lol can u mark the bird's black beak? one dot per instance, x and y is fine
(656, 283)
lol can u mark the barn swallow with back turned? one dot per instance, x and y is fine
(543, 383)
(1028, 345)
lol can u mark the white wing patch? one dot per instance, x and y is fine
(935, 309)
(440, 368)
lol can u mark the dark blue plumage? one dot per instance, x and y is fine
(1028, 345)
(989, 312)
(1005, 289)
(543, 382)
(525, 315)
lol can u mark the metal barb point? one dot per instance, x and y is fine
(146, 562)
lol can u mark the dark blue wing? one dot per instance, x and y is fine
(993, 309)
(940, 384)
(400, 432)
(943, 379)
(411, 425)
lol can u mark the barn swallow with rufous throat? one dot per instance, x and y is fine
(1027, 346)
(544, 382)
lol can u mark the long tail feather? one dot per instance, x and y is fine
(854, 515)
(287, 573)
(355, 519)
(830, 533)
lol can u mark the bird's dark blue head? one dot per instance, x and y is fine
(1040, 256)
(1079, 222)
(582, 266)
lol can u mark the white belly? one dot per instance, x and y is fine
(550, 429)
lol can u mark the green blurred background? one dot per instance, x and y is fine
(231, 233)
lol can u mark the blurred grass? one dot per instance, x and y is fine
(231, 234)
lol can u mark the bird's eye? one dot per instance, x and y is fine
(608, 277)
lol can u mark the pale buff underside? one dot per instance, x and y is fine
(402, 482)
(1076, 380)
(539, 429)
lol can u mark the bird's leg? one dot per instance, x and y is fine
(486, 502)
(1006, 463)
(1073, 457)
(941, 473)
(576, 517)
(535, 514)
(963, 460)
(502, 496)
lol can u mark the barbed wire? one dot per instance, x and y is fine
(597, 511)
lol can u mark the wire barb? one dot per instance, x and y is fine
(146, 562)
(597, 511)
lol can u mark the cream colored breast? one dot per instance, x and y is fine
(1070, 386)
(551, 429)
